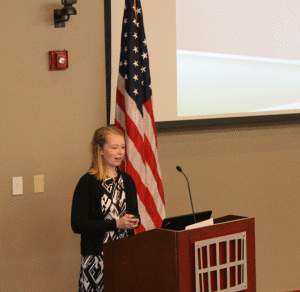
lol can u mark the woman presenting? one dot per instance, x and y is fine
(104, 206)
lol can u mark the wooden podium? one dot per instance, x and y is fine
(220, 257)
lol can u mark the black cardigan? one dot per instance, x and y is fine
(86, 215)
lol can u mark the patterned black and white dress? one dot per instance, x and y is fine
(113, 206)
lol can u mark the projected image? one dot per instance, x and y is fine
(237, 58)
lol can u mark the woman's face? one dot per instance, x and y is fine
(113, 150)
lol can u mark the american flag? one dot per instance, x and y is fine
(134, 116)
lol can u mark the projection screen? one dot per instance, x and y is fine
(217, 60)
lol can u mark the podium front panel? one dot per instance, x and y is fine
(186, 249)
(144, 262)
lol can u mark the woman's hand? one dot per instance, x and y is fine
(128, 221)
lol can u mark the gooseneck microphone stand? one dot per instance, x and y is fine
(180, 170)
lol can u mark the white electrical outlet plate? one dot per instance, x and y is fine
(17, 185)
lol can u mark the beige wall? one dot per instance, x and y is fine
(47, 120)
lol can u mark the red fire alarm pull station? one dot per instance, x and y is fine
(58, 60)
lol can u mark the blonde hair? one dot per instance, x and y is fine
(98, 167)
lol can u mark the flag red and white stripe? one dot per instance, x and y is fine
(134, 116)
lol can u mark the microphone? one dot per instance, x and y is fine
(180, 170)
